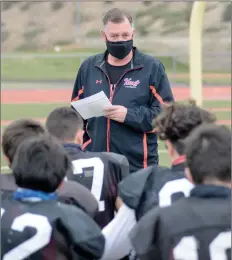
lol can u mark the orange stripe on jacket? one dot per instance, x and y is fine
(81, 91)
(145, 150)
(159, 98)
(85, 144)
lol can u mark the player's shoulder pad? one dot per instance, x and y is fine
(131, 188)
(86, 234)
(115, 157)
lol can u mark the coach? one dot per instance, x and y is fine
(136, 85)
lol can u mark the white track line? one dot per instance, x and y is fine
(5, 168)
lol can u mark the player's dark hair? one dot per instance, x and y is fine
(63, 123)
(176, 121)
(117, 15)
(16, 132)
(40, 164)
(208, 153)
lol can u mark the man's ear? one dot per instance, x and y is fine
(188, 175)
(103, 35)
(134, 33)
(79, 137)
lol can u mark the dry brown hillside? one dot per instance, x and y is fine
(33, 25)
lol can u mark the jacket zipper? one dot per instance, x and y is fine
(112, 90)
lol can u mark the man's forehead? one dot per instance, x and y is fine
(118, 27)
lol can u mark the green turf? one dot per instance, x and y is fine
(217, 103)
(16, 111)
(223, 115)
(61, 68)
(55, 68)
(12, 112)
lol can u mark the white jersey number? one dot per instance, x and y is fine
(98, 176)
(33, 244)
(187, 248)
(172, 187)
(2, 211)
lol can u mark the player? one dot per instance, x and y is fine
(198, 227)
(34, 225)
(70, 192)
(148, 188)
(99, 172)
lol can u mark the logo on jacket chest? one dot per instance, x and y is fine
(129, 83)
(99, 81)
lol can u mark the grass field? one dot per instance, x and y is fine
(29, 67)
(16, 111)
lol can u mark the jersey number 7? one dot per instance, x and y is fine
(98, 176)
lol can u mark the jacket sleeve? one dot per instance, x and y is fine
(78, 88)
(85, 236)
(160, 93)
(145, 236)
(78, 195)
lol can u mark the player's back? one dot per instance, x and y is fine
(46, 230)
(100, 175)
(197, 227)
(154, 186)
(69, 193)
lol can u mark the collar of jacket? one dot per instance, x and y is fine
(210, 191)
(179, 164)
(72, 147)
(137, 60)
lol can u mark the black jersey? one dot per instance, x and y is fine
(154, 186)
(100, 173)
(46, 230)
(197, 227)
(70, 192)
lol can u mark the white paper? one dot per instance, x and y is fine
(92, 106)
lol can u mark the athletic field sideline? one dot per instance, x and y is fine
(38, 103)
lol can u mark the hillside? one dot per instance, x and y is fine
(34, 25)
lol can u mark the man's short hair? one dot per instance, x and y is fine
(63, 123)
(40, 164)
(176, 121)
(17, 132)
(208, 153)
(117, 15)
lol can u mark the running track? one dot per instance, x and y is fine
(62, 95)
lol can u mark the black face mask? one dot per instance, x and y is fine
(120, 49)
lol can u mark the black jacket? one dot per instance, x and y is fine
(141, 89)
(154, 186)
(197, 226)
(70, 192)
(100, 173)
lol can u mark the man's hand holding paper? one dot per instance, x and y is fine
(116, 113)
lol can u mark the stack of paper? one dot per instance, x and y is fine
(92, 106)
